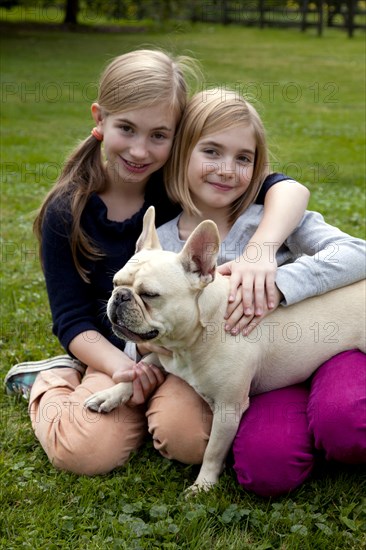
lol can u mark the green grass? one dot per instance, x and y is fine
(310, 92)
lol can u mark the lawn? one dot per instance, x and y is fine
(310, 92)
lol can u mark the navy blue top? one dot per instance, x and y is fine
(77, 306)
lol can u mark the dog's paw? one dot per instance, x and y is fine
(107, 400)
(198, 488)
(100, 403)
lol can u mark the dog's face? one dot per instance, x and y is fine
(154, 296)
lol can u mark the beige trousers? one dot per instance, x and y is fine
(85, 442)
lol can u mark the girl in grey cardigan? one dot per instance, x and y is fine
(218, 163)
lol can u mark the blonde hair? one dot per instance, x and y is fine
(207, 113)
(134, 80)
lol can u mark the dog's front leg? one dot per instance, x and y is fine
(107, 400)
(225, 424)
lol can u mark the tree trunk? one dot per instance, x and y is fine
(71, 12)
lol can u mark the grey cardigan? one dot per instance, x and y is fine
(315, 259)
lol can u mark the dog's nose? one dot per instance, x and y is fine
(123, 295)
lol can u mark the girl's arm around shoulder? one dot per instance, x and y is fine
(284, 206)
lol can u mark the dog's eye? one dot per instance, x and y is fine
(148, 295)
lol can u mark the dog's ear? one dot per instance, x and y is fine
(149, 238)
(200, 252)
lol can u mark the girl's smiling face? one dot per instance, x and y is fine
(221, 167)
(136, 143)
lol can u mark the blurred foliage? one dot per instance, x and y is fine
(195, 10)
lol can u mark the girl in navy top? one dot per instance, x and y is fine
(88, 226)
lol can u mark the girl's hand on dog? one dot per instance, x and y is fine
(145, 379)
(238, 322)
(257, 283)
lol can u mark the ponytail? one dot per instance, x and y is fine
(82, 175)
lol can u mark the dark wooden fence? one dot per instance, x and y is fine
(348, 15)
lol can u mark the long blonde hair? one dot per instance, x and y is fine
(209, 112)
(134, 80)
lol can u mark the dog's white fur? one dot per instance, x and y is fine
(177, 301)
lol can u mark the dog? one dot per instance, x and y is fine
(179, 301)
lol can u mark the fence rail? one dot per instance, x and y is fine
(349, 15)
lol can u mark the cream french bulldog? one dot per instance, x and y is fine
(179, 302)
